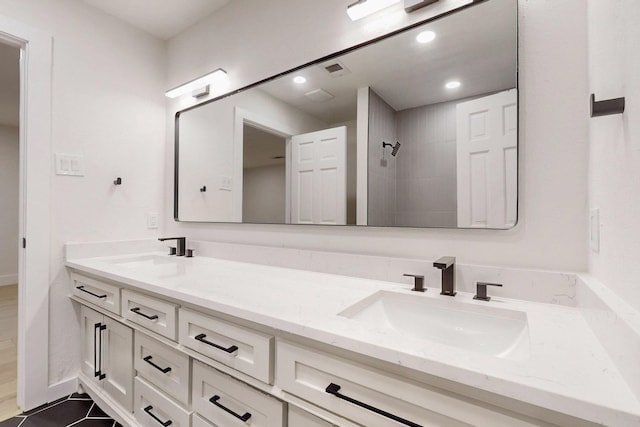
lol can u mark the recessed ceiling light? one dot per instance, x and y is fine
(452, 84)
(299, 80)
(426, 37)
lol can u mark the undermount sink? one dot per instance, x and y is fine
(481, 328)
(141, 260)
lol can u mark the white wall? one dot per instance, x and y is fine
(9, 181)
(614, 144)
(253, 39)
(108, 105)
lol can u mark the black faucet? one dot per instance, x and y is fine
(182, 244)
(448, 265)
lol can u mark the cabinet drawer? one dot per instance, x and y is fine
(152, 313)
(162, 366)
(198, 421)
(299, 418)
(227, 402)
(152, 409)
(243, 349)
(329, 381)
(96, 292)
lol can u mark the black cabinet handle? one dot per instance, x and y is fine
(81, 288)
(202, 337)
(137, 311)
(163, 370)
(164, 423)
(335, 388)
(244, 417)
(97, 351)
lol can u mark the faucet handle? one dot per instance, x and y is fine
(418, 282)
(481, 290)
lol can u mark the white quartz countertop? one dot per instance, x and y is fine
(563, 368)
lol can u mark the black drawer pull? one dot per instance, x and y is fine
(164, 423)
(97, 351)
(137, 311)
(163, 370)
(335, 388)
(202, 337)
(244, 417)
(81, 288)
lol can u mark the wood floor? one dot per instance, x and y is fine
(8, 350)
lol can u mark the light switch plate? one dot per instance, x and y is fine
(69, 164)
(225, 183)
(594, 230)
(153, 218)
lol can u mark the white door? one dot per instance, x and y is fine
(319, 177)
(487, 166)
(117, 350)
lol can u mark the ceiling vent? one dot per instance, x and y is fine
(319, 95)
(336, 69)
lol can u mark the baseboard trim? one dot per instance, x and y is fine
(62, 389)
(8, 279)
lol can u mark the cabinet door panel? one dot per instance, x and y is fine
(90, 328)
(118, 362)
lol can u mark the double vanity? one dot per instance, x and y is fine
(206, 341)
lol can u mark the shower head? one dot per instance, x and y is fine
(394, 149)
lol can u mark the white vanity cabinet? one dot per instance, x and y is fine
(299, 418)
(375, 398)
(107, 360)
(151, 313)
(153, 409)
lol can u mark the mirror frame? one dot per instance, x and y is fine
(327, 58)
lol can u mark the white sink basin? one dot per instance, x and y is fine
(157, 265)
(476, 327)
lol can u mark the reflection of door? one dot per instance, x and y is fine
(318, 177)
(487, 136)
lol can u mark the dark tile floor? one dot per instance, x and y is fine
(77, 410)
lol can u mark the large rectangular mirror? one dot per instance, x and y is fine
(417, 129)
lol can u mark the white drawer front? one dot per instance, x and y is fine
(152, 409)
(227, 402)
(96, 292)
(152, 313)
(162, 366)
(308, 374)
(299, 418)
(243, 349)
(198, 421)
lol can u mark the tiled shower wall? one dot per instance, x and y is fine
(426, 166)
(417, 187)
(382, 179)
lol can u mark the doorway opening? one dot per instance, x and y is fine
(264, 178)
(9, 226)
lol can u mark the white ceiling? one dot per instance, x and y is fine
(9, 85)
(477, 46)
(162, 18)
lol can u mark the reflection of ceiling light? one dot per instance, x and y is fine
(217, 79)
(452, 84)
(363, 8)
(299, 80)
(426, 37)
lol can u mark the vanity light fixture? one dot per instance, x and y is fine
(299, 80)
(363, 8)
(453, 84)
(426, 37)
(216, 79)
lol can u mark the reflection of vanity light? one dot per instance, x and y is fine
(426, 37)
(452, 84)
(363, 8)
(299, 80)
(217, 80)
